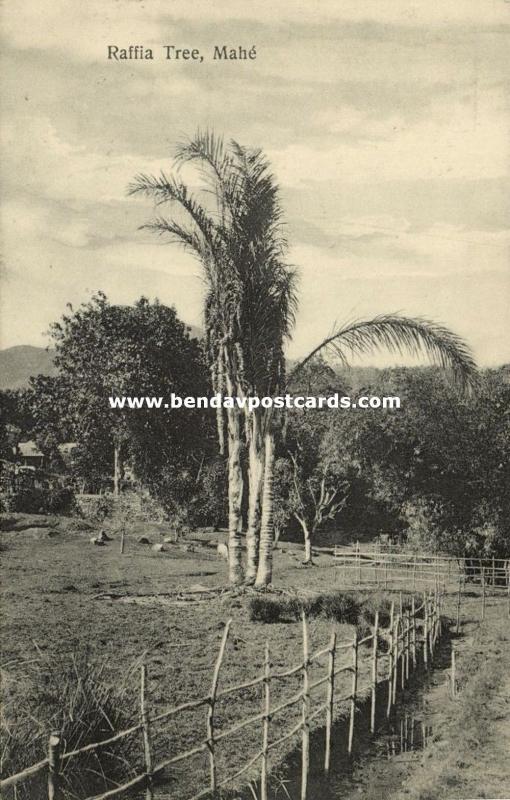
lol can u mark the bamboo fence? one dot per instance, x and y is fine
(409, 632)
(366, 566)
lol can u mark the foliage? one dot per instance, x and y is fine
(351, 608)
(102, 350)
(35, 500)
(74, 697)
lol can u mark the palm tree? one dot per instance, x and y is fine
(249, 313)
(249, 303)
(395, 333)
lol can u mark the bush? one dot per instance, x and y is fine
(32, 500)
(73, 697)
(349, 608)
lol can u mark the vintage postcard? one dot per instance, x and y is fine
(255, 400)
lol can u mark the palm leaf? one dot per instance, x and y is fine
(396, 334)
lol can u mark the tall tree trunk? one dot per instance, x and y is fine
(265, 567)
(256, 472)
(235, 494)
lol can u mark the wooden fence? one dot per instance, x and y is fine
(362, 565)
(408, 640)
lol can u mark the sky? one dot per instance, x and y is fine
(386, 122)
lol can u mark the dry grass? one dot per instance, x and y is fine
(77, 698)
(469, 756)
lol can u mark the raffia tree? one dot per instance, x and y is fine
(248, 308)
(235, 231)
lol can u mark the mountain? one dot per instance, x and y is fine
(18, 363)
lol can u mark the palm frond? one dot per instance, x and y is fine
(396, 334)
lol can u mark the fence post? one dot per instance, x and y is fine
(483, 593)
(354, 691)
(265, 724)
(305, 754)
(396, 642)
(146, 733)
(358, 555)
(374, 672)
(54, 766)
(212, 702)
(414, 572)
(390, 661)
(459, 598)
(413, 631)
(408, 641)
(453, 674)
(425, 630)
(122, 535)
(329, 701)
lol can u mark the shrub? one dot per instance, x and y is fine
(75, 698)
(34, 500)
(349, 608)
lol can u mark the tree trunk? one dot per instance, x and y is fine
(265, 567)
(117, 470)
(235, 494)
(308, 546)
(256, 471)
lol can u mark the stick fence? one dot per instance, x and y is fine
(408, 631)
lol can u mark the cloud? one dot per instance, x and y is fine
(455, 138)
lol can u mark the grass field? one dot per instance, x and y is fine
(77, 615)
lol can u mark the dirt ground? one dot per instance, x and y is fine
(64, 596)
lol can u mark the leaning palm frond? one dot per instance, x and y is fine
(396, 333)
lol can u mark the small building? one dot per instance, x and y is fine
(29, 455)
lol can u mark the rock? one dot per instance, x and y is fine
(96, 540)
(144, 540)
(158, 548)
(222, 551)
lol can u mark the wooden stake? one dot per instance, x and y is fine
(54, 766)
(459, 598)
(483, 593)
(375, 643)
(453, 674)
(425, 631)
(413, 631)
(265, 724)
(414, 573)
(212, 702)
(408, 642)
(146, 732)
(390, 667)
(122, 543)
(329, 701)
(354, 691)
(305, 754)
(396, 642)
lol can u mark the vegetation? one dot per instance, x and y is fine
(249, 313)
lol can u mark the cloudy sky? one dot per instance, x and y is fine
(387, 123)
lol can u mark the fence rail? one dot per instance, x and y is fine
(365, 566)
(408, 632)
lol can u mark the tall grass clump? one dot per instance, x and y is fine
(350, 608)
(76, 698)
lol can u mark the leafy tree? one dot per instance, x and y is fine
(103, 350)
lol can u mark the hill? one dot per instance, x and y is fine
(18, 363)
